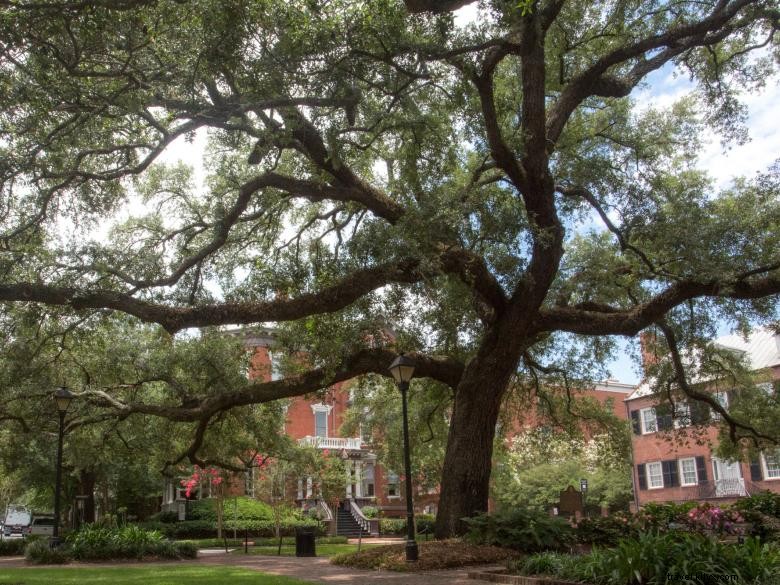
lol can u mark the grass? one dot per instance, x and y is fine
(323, 550)
(434, 555)
(159, 575)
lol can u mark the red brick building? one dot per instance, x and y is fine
(668, 468)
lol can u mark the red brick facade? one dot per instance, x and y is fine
(673, 457)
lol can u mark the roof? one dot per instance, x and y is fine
(761, 350)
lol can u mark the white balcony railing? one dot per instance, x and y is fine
(331, 442)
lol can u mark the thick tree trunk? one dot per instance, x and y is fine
(467, 463)
(86, 488)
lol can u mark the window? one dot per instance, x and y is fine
(321, 423)
(655, 475)
(393, 485)
(368, 481)
(276, 365)
(771, 465)
(688, 471)
(682, 415)
(649, 424)
(723, 400)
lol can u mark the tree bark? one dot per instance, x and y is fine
(468, 462)
(86, 487)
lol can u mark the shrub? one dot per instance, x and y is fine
(12, 547)
(425, 523)
(657, 517)
(655, 559)
(765, 503)
(40, 552)
(706, 517)
(605, 531)
(370, 511)
(521, 530)
(238, 510)
(129, 542)
(395, 526)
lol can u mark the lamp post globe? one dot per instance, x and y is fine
(63, 398)
(402, 370)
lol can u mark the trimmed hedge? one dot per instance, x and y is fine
(397, 526)
(193, 529)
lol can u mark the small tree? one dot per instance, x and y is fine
(212, 477)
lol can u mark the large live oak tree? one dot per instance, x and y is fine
(368, 160)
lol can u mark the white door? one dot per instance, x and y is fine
(728, 478)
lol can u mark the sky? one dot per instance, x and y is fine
(662, 89)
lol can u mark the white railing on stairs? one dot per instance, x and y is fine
(369, 525)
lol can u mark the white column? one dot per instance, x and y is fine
(358, 479)
(348, 466)
(308, 487)
(300, 489)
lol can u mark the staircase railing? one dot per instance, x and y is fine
(370, 525)
(326, 511)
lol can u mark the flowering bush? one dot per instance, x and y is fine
(707, 517)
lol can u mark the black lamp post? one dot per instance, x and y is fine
(402, 369)
(63, 397)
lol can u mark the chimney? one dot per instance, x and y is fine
(648, 342)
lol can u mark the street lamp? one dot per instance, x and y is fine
(62, 397)
(402, 369)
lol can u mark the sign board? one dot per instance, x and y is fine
(583, 485)
(571, 501)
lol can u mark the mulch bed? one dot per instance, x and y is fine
(434, 555)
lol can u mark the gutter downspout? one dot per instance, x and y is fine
(634, 487)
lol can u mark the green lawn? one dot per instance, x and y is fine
(323, 550)
(159, 575)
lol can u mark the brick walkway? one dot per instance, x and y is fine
(319, 570)
(316, 570)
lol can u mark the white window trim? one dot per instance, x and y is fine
(765, 468)
(642, 426)
(649, 475)
(321, 407)
(682, 472)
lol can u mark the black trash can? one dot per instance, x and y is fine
(304, 542)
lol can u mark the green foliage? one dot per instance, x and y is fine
(522, 530)
(537, 465)
(656, 559)
(129, 542)
(11, 546)
(765, 502)
(236, 509)
(370, 511)
(39, 552)
(194, 529)
(605, 531)
(392, 526)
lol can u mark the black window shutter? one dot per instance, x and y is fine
(640, 471)
(665, 422)
(635, 424)
(755, 470)
(663, 415)
(701, 469)
(671, 478)
(700, 413)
